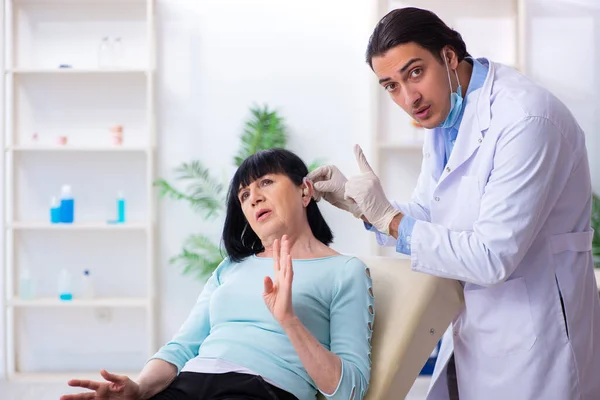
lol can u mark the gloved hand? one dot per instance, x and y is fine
(329, 183)
(366, 190)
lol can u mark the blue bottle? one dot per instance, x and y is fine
(64, 286)
(120, 208)
(54, 211)
(67, 205)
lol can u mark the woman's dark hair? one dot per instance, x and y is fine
(410, 24)
(238, 237)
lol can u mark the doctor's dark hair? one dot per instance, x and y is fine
(239, 239)
(423, 27)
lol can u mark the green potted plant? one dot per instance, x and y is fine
(200, 255)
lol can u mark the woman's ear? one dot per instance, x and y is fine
(307, 191)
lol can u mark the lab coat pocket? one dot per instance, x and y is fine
(500, 317)
(570, 250)
(468, 201)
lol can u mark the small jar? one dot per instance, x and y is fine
(116, 133)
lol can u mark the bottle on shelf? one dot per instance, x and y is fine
(65, 292)
(87, 285)
(67, 205)
(118, 52)
(105, 55)
(26, 286)
(54, 211)
(120, 207)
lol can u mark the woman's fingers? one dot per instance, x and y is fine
(268, 285)
(113, 377)
(84, 383)
(276, 259)
(285, 255)
(79, 396)
(290, 270)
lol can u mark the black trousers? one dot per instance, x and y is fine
(452, 380)
(231, 385)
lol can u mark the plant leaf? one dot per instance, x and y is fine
(203, 193)
(264, 130)
(199, 257)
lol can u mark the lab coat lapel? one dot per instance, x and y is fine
(475, 121)
(436, 155)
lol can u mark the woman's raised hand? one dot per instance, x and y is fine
(278, 294)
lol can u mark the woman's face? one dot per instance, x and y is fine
(274, 206)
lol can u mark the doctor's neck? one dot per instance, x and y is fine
(465, 70)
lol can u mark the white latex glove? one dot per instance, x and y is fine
(366, 190)
(329, 183)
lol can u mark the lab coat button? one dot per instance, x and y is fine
(437, 199)
(480, 140)
(448, 169)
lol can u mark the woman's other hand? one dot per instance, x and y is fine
(116, 387)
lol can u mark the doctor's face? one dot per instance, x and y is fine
(417, 81)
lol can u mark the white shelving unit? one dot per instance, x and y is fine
(42, 102)
(396, 143)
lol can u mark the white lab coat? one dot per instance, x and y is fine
(510, 217)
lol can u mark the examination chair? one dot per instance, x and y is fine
(412, 312)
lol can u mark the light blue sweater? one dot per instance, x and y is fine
(333, 298)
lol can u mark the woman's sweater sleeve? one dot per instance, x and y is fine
(186, 343)
(351, 326)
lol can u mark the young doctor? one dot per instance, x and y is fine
(502, 204)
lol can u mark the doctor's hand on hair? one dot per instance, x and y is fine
(366, 191)
(329, 183)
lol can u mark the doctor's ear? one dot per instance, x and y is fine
(449, 56)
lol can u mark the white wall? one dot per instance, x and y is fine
(216, 59)
(574, 28)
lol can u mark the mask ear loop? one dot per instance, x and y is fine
(448, 72)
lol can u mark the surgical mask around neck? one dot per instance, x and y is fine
(456, 101)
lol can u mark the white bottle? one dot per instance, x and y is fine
(65, 291)
(118, 52)
(26, 289)
(87, 285)
(105, 53)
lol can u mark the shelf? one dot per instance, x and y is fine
(75, 71)
(69, 148)
(123, 302)
(53, 377)
(77, 226)
(82, 2)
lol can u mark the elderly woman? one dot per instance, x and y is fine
(250, 336)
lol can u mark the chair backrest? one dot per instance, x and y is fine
(412, 311)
